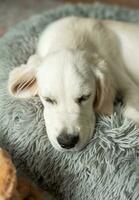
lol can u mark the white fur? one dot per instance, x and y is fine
(80, 56)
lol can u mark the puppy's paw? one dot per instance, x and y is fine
(8, 180)
(132, 114)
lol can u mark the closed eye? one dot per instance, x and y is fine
(82, 98)
(51, 101)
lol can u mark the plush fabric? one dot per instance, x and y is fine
(108, 168)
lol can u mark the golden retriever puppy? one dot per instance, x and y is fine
(13, 187)
(79, 66)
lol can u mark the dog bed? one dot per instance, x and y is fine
(108, 168)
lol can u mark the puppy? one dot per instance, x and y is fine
(79, 66)
(13, 187)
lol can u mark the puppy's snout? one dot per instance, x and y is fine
(68, 141)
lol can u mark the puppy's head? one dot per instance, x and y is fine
(72, 87)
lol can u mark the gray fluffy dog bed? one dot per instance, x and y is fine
(108, 168)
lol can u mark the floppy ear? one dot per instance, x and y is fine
(105, 90)
(22, 82)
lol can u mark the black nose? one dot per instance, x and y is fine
(68, 141)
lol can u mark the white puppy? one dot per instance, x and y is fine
(79, 66)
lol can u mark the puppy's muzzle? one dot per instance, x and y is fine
(68, 141)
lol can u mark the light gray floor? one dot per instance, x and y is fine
(13, 11)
